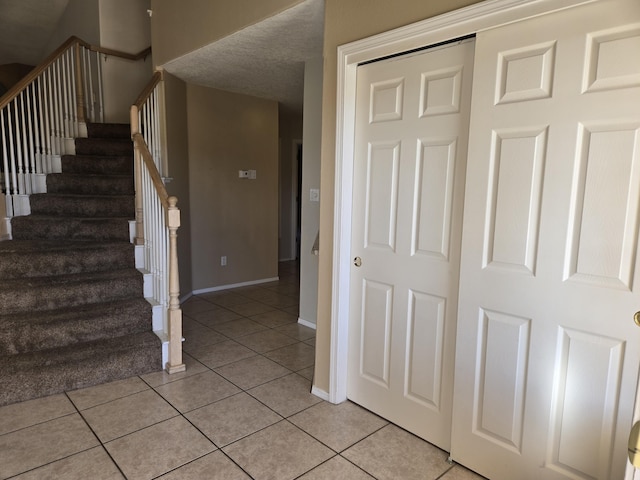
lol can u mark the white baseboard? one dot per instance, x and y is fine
(235, 285)
(320, 393)
(306, 323)
(186, 297)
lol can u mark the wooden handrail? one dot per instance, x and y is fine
(153, 83)
(33, 74)
(139, 142)
(117, 53)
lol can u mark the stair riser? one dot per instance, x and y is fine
(62, 331)
(60, 228)
(99, 146)
(109, 130)
(40, 264)
(95, 165)
(79, 206)
(41, 298)
(89, 185)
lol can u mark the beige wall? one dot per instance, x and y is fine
(175, 94)
(347, 21)
(290, 132)
(118, 24)
(180, 27)
(312, 130)
(124, 26)
(82, 19)
(230, 216)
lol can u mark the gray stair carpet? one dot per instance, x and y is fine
(72, 312)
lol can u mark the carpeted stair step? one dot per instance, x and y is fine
(48, 372)
(30, 258)
(62, 291)
(82, 205)
(80, 184)
(109, 130)
(39, 227)
(104, 146)
(26, 332)
(97, 164)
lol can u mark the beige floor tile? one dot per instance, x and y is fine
(306, 373)
(252, 371)
(295, 357)
(281, 301)
(92, 464)
(393, 453)
(293, 310)
(156, 379)
(286, 395)
(458, 472)
(224, 353)
(291, 289)
(25, 414)
(158, 449)
(275, 318)
(195, 339)
(215, 317)
(336, 468)
(251, 308)
(233, 418)
(92, 396)
(311, 341)
(197, 391)
(279, 452)
(214, 466)
(239, 328)
(265, 341)
(40, 444)
(338, 426)
(297, 331)
(128, 414)
(224, 298)
(195, 305)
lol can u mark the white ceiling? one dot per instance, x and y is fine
(25, 28)
(265, 60)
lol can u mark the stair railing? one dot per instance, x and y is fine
(157, 218)
(40, 116)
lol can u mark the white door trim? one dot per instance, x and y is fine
(459, 23)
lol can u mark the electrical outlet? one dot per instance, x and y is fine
(223, 261)
(314, 195)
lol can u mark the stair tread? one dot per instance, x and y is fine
(24, 332)
(57, 370)
(28, 246)
(69, 312)
(68, 279)
(60, 355)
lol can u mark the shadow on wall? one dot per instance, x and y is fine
(10, 74)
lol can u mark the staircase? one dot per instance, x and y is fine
(72, 312)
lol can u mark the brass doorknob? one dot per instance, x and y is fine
(636, 318)
(357, 261)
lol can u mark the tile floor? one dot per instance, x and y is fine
(242, 410)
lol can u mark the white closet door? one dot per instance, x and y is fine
(411, 134)
(547, 351)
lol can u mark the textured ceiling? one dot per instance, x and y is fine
(265, 60)
(25, 28)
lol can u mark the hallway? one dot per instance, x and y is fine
(242, 410)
